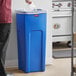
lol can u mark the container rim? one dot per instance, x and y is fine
(36, 11)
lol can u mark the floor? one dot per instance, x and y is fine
(60, 67)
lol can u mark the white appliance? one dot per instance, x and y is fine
(61, 27)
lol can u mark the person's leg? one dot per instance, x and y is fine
(6, 41)
(2, 70)
(4, 52)
(4, 35)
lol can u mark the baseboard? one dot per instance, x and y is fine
(11, 63)
(14, 63)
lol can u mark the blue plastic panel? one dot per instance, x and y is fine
(35, 50)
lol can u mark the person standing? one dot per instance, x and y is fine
(5, 26)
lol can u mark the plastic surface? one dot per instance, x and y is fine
(35, 11)
(31, 36)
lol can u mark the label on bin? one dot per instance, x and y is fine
(36, 15)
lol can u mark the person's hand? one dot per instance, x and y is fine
(28, 1)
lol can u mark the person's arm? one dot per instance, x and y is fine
(28, 1)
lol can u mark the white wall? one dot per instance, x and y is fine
(11, 58)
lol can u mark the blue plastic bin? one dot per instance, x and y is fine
(31, 36)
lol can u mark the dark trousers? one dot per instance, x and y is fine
(4, 38)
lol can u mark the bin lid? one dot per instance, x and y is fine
(35, 11)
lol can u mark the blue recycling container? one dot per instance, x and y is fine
(31, 36)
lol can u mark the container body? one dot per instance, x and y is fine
(31, 36)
